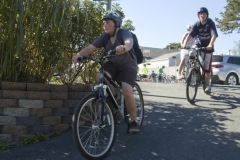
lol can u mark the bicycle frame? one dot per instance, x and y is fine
(104, 90)
(196, 64)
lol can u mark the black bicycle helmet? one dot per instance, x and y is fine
(203, 9)
(116, 17)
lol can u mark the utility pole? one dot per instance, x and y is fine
(109, 4)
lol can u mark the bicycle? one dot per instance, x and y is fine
(97, 114)
(185, 70)
(196, 76)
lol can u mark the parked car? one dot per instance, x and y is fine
(226, 69)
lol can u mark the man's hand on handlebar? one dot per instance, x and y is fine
(209, 47)
(183, 46)
(75, 58)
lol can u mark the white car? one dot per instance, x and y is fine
(226, 69)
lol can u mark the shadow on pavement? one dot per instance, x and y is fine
(169, 131)
(173, 132)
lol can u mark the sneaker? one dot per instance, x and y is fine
(134, 127)
(208, 89)
(179, 77)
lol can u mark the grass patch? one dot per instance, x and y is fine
(33, 139)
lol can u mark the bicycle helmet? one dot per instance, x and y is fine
(189, 27)
(203, 9)
(116, 17)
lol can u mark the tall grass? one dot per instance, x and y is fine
(39, 37)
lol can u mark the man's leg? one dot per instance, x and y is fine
(207, 78)
(182, 63)
(131, 106)
(130, 100)
(208, 65)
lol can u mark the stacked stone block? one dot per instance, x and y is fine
(30, 108)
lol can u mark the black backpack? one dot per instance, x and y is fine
(135, 49)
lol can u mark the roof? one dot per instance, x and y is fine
(156, 52)
(167, 55)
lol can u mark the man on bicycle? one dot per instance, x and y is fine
(206, 34)
(123, 67)
(184, 52)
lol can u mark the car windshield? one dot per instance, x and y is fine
(217, 58)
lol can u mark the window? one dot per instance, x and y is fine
(237, 61)
(217, 58)
(230, 60)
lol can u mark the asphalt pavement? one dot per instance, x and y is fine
(173, 129)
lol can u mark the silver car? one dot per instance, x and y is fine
(226, 69)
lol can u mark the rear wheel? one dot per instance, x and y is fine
(94, 138)
(192, 85)
(137, 93)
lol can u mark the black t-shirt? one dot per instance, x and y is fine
(204, 33)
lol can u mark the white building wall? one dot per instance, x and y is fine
(171, 65)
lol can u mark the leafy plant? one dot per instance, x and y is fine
(3, 146)
(230, 17)
(39, 38)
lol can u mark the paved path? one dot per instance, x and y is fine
(173, 129)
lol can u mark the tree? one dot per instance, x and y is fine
(128, 25)
(116, 7)
(236, 49)
(230, 18)
(173, 46)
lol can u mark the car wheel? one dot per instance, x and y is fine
(231, 79)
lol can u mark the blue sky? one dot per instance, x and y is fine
(160, 22)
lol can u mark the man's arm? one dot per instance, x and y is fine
(183, 38)
(186, 41)
(128, 44)
(209, 47)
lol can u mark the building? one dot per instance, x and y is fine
(156, 58)
(151, 53)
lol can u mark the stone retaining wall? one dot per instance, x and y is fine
(30, 108)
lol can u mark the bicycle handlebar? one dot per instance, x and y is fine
(110, 53)
(194, 48)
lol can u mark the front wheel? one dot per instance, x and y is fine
(192, 85)
(231, 79)
(94, 137)
(137, 93)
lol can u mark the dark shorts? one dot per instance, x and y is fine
(145, 76)
(159, 78)
(121, 74)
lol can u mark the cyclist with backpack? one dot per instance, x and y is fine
(122, 67)
(206, 33)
